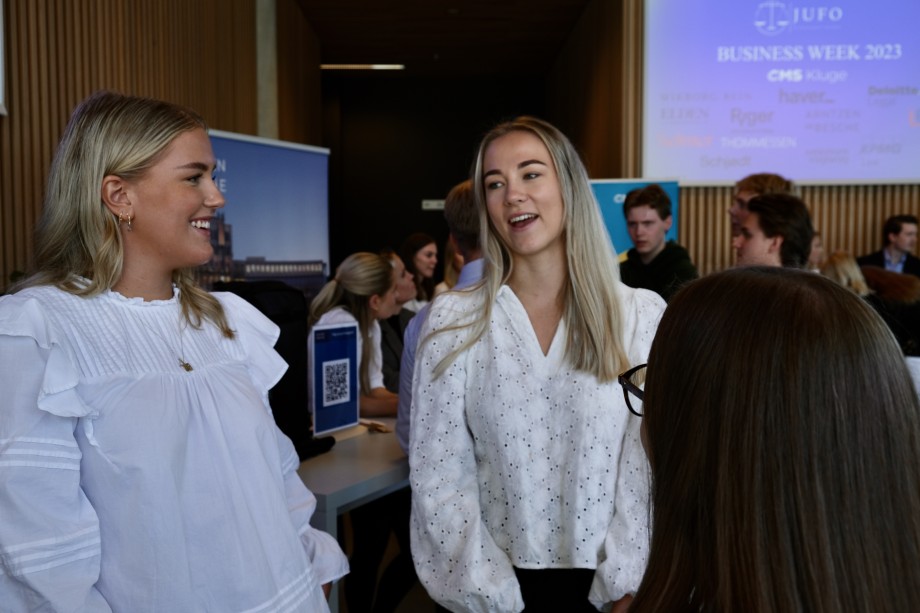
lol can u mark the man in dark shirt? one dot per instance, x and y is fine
(899, 235)
(653, 263)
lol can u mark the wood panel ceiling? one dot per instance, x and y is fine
(444, 37)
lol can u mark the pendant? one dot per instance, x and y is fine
(185, 365)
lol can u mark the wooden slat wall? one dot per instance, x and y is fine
(848, 217)
(201, 54)
(300, 109)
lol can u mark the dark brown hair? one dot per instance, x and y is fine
(424, 288)
(787, 216)
(894, 224)
(652, 196)
(783, 433)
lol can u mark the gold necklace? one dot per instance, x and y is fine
(180, 355)
(185, 365)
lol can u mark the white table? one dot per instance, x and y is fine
(361, 467)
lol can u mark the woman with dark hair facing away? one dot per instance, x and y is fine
(362, 291)
(783, 432)
(528, 477)
(140, 467)
(419, 252)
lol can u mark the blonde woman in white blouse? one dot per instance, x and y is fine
(529, 480)
(140, 467)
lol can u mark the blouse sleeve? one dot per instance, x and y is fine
(328, 560)
(375, 368)
(49, 532)
(258, 335)
(406, 370)
(626, 544)
(456, 557)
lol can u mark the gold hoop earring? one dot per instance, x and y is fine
(127, 219)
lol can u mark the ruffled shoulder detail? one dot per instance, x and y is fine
(257, 334)
(24, 315)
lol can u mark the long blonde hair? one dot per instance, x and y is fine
(592, 311)
(360, 276)
(842, 268)
(78, 245)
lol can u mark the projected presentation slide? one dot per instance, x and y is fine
(821, 92)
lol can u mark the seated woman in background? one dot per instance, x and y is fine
(895, 296)
(816, 255)
(799, 486)
(363, 291)
(419, 253)
(841, 268)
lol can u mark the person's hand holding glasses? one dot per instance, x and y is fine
(629, 387)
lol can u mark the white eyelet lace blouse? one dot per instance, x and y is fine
(518, 460)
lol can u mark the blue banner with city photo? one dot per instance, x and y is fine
(275, 224)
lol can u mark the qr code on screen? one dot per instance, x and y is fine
(335, 382)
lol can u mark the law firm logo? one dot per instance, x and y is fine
(771, 18)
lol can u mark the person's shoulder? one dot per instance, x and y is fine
(337, 315)
(245, 318)
(676, 250)
(404, 317)
(631, 257)
(876, 258)
(640, 299)
(236, 307)
(459, 300)
(455, 307)
(45, 294)
(38, 311)
(631, 267)
(641, 310)
(47, 300)
(678, 258)
(912, 264)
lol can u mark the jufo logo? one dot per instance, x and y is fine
(771, 18)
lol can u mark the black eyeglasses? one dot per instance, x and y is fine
(629, 387)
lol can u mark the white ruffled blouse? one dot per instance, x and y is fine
(518, 460)
(130, 484)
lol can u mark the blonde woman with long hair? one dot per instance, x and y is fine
(141, 467)
(363, 291)
(529, 480)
